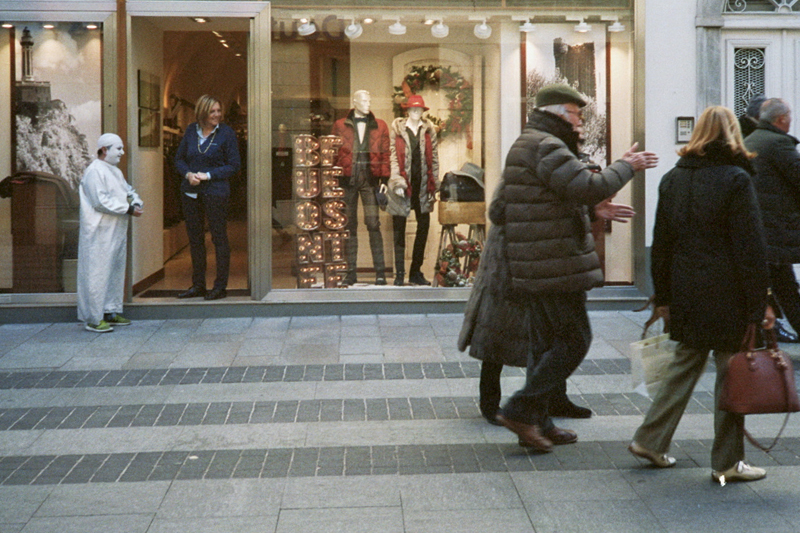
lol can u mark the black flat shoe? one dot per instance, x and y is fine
(216, 294)
(193, 292)
(783, 334)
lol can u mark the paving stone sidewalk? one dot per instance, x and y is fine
(342, 424)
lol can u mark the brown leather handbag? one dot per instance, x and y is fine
(759, 381)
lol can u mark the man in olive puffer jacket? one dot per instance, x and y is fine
(544, 204)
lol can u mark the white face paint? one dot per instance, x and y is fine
(361, 102)
(415, 113)
(114, 153)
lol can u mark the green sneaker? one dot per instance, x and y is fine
(102, 327)
(119, 320)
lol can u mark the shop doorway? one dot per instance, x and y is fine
(197, 58)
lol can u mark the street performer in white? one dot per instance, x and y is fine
(107, 200)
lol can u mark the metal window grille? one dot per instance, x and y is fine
(748, 76)
(775, 6)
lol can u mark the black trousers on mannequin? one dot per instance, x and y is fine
(420, 240)
(785, 289)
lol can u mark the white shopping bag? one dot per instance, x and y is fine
(650, 358)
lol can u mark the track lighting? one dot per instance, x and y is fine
(397, 28)
(583, 27)
(526, 26)
(440, 30)
(616, 27)
(306, 28)
(482, 30)
(353, 30)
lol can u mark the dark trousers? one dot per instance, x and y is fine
(214, 208)
(560, 327)
(785, 289)
(420, 240)
(490, 391)
(367, 194)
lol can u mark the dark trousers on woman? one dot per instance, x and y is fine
(559, 324)
(420, 240)
(490, 391)
(784, 287)
(215, 209)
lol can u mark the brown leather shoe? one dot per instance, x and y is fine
(530, 436)
(561, 436)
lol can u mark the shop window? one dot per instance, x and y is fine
(342, 219)
(56, 110)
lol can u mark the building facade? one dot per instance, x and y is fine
(287, 73)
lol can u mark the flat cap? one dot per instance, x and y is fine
(559, 93)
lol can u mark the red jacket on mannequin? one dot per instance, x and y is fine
(378, 133)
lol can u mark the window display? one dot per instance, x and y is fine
(56, 107)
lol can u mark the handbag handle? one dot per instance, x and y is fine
(749, 345)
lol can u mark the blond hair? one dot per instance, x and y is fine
(203, 108)
(717, 123)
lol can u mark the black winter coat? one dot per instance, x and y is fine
(777, 183)
(709, 260)
(544, 208)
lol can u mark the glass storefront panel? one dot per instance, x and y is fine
(465, 72)
(55, 96)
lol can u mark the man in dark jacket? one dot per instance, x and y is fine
(364, 158)
(544, 205)
(777, 183)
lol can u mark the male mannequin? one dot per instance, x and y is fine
(412, 185)
(364, 158)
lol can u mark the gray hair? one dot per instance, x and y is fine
(556, 109)
(773, 109)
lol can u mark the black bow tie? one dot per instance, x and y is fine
(361, 119)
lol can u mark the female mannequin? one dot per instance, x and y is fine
(414, 180)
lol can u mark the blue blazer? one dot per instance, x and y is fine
(219, 155)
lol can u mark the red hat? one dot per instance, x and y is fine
(415, 100)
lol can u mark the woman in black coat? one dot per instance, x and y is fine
(709, 270)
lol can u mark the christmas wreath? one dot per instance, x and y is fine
(457, 90)
(458, 263)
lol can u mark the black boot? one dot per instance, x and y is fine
(490, 391)
(563, 407)
(398, 279)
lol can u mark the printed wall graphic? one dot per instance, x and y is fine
(58, 94)
(557, 54)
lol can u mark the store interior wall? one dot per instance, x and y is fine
(6, 251)
(145, 169)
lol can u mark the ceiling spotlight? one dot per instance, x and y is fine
(527, 27)
(482, 30)
(429, 22)
(397, 28)
(200, 20)
(582, 27)
(48, 26)
(8, 25)
(369, 20)
(353, 30)
(616, 27)
(440, 30)
(91, 26)
(306, 28)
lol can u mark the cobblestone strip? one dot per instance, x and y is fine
(351, 461)
(60, 379)
(292, 411)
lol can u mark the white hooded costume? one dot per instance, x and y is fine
(105, 202)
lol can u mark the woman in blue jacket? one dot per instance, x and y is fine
(207, 158)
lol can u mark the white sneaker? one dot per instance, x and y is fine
(741, 471)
